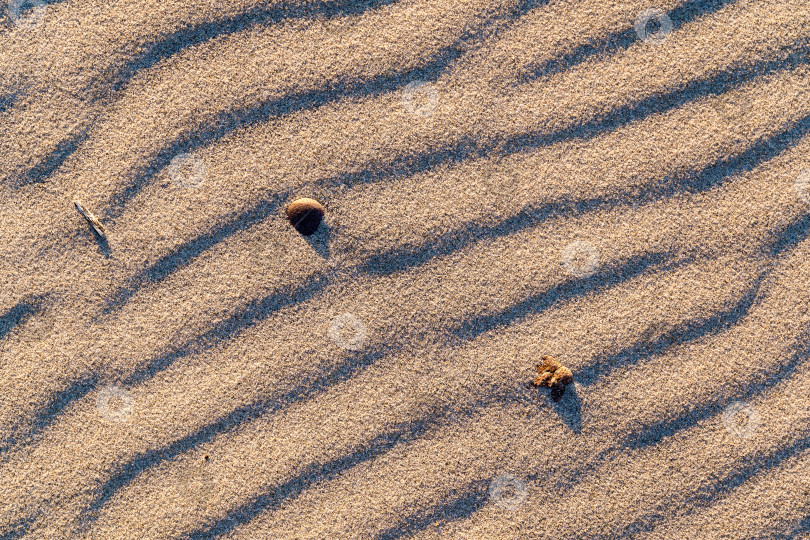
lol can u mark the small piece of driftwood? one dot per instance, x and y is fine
(553, 375)
(89, 216)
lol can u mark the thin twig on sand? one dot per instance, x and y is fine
(89, 216)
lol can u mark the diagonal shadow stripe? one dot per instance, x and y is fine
(748, 468)
(616, 41)
(692, 9)
(651, 435)
(27, 431)
(388, 262)
(255, 214)
(468, 148)
(229, 121)
(789, 237)
(206, 31)
(714, 175)
(711, 176)
(686, 332)
(316, 473)
(5, 11)
(53, 160)
(258, 310)
(788, 58)
(8, 100)
(251, 314)
(254, 312)
(695, 329)
(459, 507)
(17, 528)
(188, 251)
(603, 46)
(403, 258)
(567, 480)
(21, 312)
(607, 277)
(308, 388)
(803, 526)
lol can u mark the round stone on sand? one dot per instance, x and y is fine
(305, 215)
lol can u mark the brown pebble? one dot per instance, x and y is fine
(553, 375)
(305, 215)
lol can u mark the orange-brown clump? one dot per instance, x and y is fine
(553, 375)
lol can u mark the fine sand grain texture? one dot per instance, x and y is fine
(623, 186)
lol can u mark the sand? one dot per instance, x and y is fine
(502, 179)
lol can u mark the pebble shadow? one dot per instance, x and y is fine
(320, 239)
(569, 407)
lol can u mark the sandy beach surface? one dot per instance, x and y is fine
(624, 186)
